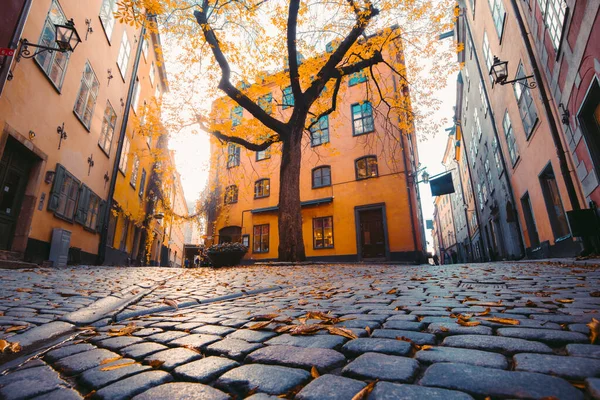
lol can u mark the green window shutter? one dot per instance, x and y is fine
(82, 205)
(59, 178)
(100, 217)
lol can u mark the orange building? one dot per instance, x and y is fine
(358, 196)
(60, 119)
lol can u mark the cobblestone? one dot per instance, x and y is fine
(496, 343)
(182, 390)
(331, 387)
(133, 385)
(299, 357)
(103, 375)
(172, 358)
(394, 391)
(206, 369)
(270, 379)
(393, 347)
(571, 368)
(77, 363)
(381, 366)
(462, 356)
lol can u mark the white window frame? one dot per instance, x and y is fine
(50, 61)
(107, 17)
(124, 155)
(85, 103)
(134, 171)
(498, 15)
(109, 121)
(487, 54)
(124, 54)
(511, 143)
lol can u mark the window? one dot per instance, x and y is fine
(64, 193)
(323, 233)
(93, 208)
(496, 150)
(108, 128)
(53, 63)
(265, 102)
(554, 205)
(487, 54)
(288, 98)
(145, 48)
(236, 115)
(136, 95)
(260, 240)
(319, 132)
(498, 14)
(526, 105)
(124, 52)
(262, 188)
(321, 176)
(233, 155)
(263, 154)
(513, 150)
(124, 156)
(362, 118)
(477, 123)
(357, 77)
(142, 184)
(366, 167)
(488, 173)
(554, 12)
(484, 103)
(481, 203)
(152, 73)
(107, 16)
(86, 99)
(134, 171)
(231, 194)
(467, 78)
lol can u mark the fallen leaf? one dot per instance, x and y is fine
(89, 395)
(426, 347)
(506, 321)
(302, 302)
(16, 328)
(486, 312)
(364, 393)
(463, 322)
(368, 330)
(345, 332)
(24, 290)
(113, 367)
(15, 347)
(109, 360)
(171, 302)
(595, 294)
(532, 304)
(156, 363)
(306, 329)
(392, 291)
(314, 372)
(3, 345)
(284, 328)
(564, 301)
(444, 329)
(128, 330)
(259, 325)
(594, 330)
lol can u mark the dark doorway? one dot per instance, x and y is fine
(15, 164)
(589, 120)
(532, 233)
(230, 234)
(554, 205)
(372, 233)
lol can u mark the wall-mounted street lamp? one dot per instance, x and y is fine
(414, 177)
(63, 134)
(66, 39)
(564, 118)
(499, 72)
(90, 161)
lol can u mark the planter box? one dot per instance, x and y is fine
(225, 258)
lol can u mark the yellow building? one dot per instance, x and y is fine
(60, 119)
(357, 187)
(174, 224)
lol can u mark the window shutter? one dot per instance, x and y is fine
(82, 205)
(59, 178)
(100, 217)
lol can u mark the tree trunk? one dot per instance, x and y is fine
(291, 245)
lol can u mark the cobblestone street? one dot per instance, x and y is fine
(498, 330)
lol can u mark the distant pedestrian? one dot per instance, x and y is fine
(197, 261)
(186, 263)
(454, 256)
(436, 259)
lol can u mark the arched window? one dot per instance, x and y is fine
(366, 167)
(321, 176)
(231, 194)
(262, 188)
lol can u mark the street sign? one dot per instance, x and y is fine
(7, 52)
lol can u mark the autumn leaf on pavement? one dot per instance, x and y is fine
(368, 330)
(156, 363)
(24, 290)
(264, 317)
(284, 328)
(345, 332)
(426, 347)
(171, 302)
(16, 328)
(565, 301)
(302, 302)
(594, 330)
(306, 329)
(506, 321)
(392, 291)
(128, 330)
(113, 367)
(4, 345)
(364, 393)
(109, 360)
(314, 372)
(259, 325)
(464, 322)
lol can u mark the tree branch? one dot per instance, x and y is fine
(331, 109)
(237, 140)
(225, 84)
(293, 52)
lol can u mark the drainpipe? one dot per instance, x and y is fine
(407, 175)
(560, 152)
(115, 171)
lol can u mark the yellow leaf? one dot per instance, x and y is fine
(113, 367)
(16, 328)
(259, 325)
(391, 291)
(594, 330)
(264, 317)
(156, 363)
(486, 312)
(565, 301)
(426, 347)
(3, 345)
(345, 332)
(506, 321)
(15, 347)
(128, 330)
(364, 393)
(463, 322)
(314, 372)
(109, 360)
(302, 302)
(368, 330)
